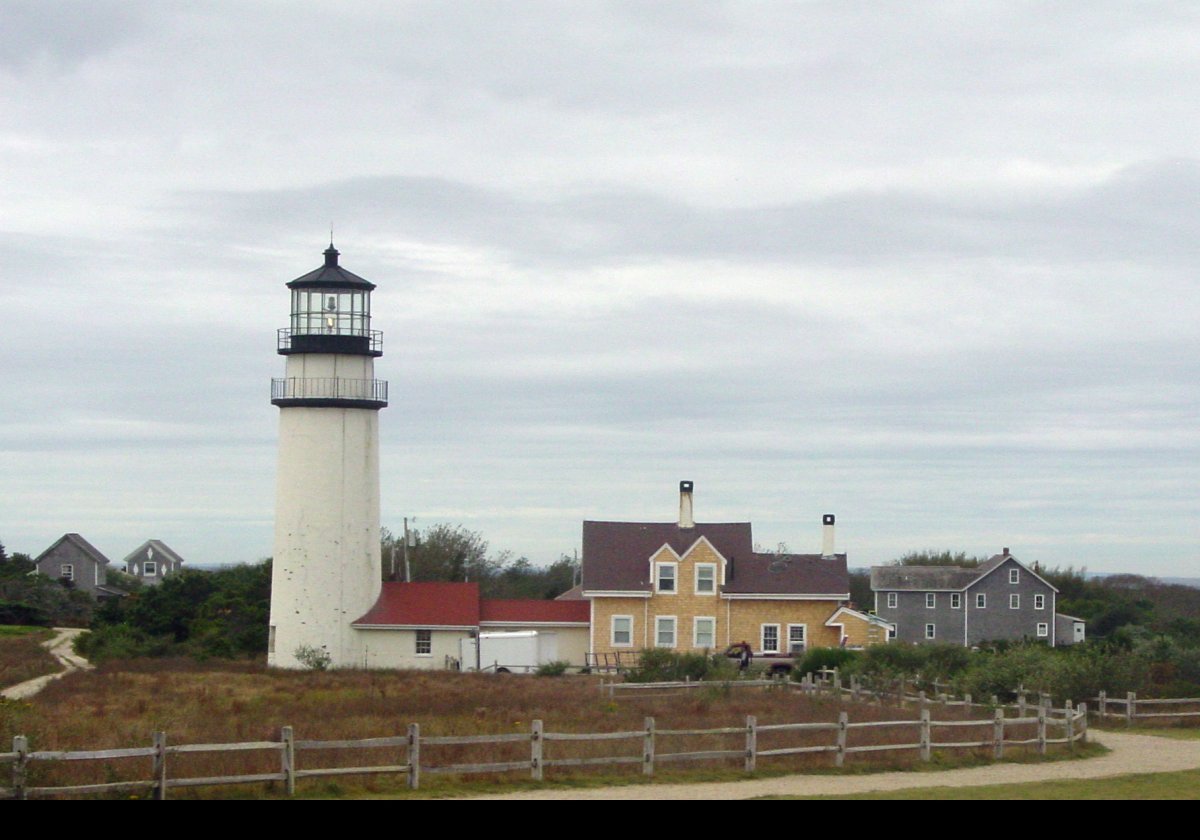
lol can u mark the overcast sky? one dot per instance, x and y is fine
(932, 267)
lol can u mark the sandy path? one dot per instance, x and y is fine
(1130, 754)
(60, 649)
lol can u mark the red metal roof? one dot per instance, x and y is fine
(534, 611)
(426, 605)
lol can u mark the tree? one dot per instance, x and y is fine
(938, 558)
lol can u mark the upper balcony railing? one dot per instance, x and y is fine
(343, 340)
(330, 391)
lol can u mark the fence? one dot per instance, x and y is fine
(999, 733)
(1131, 712)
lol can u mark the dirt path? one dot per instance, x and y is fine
(60, 649)
(1130, 754)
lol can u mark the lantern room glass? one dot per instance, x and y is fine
(331, 312)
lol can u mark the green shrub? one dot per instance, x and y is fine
(552, 669)
(313, 658)
(817, 659)
(661, 665)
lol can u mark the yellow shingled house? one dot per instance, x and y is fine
(692, 586)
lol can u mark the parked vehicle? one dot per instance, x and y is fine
(519, 652)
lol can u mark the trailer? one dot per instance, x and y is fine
(518, 652)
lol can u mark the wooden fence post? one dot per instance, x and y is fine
(1041, 731)
(535, 751)
(414, 756)
(998, 734)
(967, 703)
(1070, 724)
(926, 736)
(837, 681)
(1021, 704)
(1083, 723)
(160, 765)
(1130, 703)
(843, 721)
(648, 748)
(1103, 703)
(751, 742)
(900, 697)
(854, 687)
(21, 748)
(288, 760)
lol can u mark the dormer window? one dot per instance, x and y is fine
(665, 574)
(706, 578)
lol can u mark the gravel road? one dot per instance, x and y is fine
(60, 649)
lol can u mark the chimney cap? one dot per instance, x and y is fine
(1004, 551)
(685, 487)
(828, 519)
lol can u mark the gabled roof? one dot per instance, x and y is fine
(424, 605)
(616, 554)
(80, 543)
(532, 611)
(575, 593)
(788, 574)
(160, 548)
(910, 578)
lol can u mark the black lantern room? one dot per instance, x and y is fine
(331, 313)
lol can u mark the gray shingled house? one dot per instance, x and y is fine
(152, 561)
(1000, 599)
(77, 561)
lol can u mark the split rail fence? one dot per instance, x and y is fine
(652, 749)
(1131, 708)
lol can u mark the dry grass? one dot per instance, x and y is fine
(123, 704)
(22, 656)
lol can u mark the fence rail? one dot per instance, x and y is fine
(1131, 705)
(746, 749)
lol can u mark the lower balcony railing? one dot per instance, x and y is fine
(332, 389)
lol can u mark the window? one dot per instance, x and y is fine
(425, 642)
(1043, 630)
(981, 601)
(66, 571)
(1014, 602)
(664, 631)
(666, 577)
(150, 568)
(891, 631)
(930, 600)
(796, 634)
(1014, 575)
(706, 579)
(1039, 602)
(893, 600)
(930, 631)
(770, 638)
(704, 632)
(955, 601)
(622, 631)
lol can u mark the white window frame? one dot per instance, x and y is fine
(674, 578)
(712, 631)
(1014, 576)
(930, 600)
(893, 600)
(66, 571)
(981, 600)
(956, 600)
(1014, 601)
(612, 631)
(712, 569)
(661, 622)
(930, 631)
(424, 639)
(762, 638)
(1039, 602)
(1043, 630)
(803, 628)
(150, 568)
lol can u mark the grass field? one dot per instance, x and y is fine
(22, 656)
(121, 704)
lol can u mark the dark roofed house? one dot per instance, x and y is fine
(1000, 599)
(695, 586)
(152, 561)
(75, 560)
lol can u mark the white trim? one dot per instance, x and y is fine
(695, 631)
(612, 632)
(1043, 630)
(1019, 563)
(680, 557)
(930, 631)
(1039, 601)
(782, 596)
(981, 600)
(615, 593)
(533, 624)
(762, 631)
(804, 633)
(868, 617)
(419, 641)
(956, 600)
(1014, 576)
(658, 620)
(931, 600)
(414, 626)
(696, 579)
(1014, 601)
(66, 571)
(893, 601)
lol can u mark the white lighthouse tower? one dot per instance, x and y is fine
(326, 569)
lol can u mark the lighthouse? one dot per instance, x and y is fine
(326, 569)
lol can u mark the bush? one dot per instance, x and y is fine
(661, 665)
(552, 669)
(818, 659)
(313, 658)
(120, 641)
